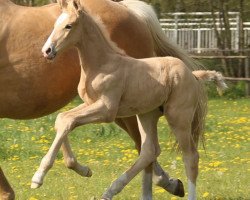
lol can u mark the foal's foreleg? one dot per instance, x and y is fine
(71, 161)
(69, 158)
(160, 177)
(149, 151)
(96, 112)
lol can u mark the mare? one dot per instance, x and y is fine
(32, 87)
(114, 85)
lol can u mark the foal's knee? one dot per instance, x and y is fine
(63, 122)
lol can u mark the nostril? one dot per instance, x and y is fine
(48, 51)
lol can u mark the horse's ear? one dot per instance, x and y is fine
(77, 5)
(62, 3)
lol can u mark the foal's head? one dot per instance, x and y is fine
(65, 32)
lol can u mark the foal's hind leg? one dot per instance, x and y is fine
(180, 120)
(160, 177)
(149, 151)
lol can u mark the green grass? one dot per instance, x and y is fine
(108, 151)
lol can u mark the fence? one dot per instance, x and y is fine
(195, 31)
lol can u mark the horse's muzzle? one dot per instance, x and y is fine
(49, 53)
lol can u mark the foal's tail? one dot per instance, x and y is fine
(215, 76)
(200, 113)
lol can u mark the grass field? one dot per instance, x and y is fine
(224, 165)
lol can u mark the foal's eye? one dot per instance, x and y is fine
(68, 26)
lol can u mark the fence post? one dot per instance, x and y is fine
(176, 28)
(237, 37)
(199, 40)
(247, 75)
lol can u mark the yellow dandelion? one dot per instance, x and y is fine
(33, 198)
(205, 194)
(159, 190)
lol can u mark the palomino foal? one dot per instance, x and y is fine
(116, 85)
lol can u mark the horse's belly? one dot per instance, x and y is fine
(34, 89)
(141, 104)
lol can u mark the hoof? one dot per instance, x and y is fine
(83, 171)
(179, 191)
(89, 173)
(35, 185)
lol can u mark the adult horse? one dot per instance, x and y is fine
(32, 87)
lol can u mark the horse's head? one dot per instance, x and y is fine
(65, 32)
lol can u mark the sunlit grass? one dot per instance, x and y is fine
(108, 151)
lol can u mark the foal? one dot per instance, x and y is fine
(115, 86)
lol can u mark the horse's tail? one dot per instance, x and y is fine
(162, 44)
(206, 75)
(198, 123)
(200, 113)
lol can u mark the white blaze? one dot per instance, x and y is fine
(59, 21)
(48, 43)
(61, 18)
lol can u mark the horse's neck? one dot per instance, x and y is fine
(5, 4)
(95, 6)
(6, 10)
(95, 48)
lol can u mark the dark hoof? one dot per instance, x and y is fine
(179, 191)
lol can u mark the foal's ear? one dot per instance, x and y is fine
(77, 6)
(62, 3)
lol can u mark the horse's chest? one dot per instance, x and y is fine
(97, 86)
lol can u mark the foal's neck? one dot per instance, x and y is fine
(95, 48)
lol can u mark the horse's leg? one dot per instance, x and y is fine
(64, 124)
(180, 120)
(69, 158)
(150, 149)
(130, 125)
(71, 161)
(160, 177)
(6, 192)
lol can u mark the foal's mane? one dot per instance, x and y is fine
(98, 24)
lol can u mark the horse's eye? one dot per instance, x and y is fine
(68, 26)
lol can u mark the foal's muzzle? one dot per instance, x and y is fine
(49, 52)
